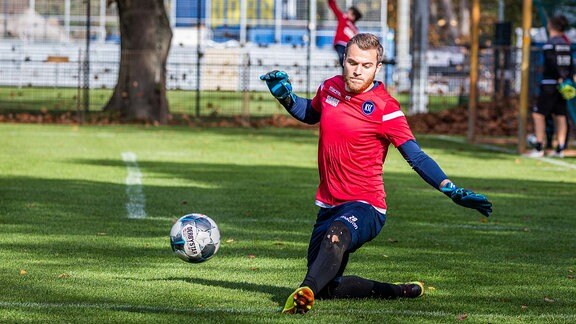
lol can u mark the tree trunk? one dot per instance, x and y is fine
(140, 92)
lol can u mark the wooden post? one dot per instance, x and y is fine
(525, 71)
(474, 64)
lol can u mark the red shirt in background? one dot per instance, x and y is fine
(346, 28)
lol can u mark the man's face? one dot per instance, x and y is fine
(360, 68)
(351, 15)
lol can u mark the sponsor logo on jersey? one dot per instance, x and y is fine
(332, 101)
(351, 219)
(368, 107)
(563, 60)
(334, 91)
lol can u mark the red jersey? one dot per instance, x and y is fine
(355, 132)
(346, 29)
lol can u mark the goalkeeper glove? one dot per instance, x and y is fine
(279, 84)
(467, 198)
(567, 89)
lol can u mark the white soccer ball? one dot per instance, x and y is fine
(195, 238)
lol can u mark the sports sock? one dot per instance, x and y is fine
(357, 287)
(538, 146)
(330, 257)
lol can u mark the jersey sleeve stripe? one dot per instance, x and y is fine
(392, 115)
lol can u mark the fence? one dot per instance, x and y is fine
(43, 61)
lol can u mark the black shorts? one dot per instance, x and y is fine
(550, 101)
(363, 221)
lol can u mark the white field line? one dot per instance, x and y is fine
(503, 150)
(136, 205)
(220, 310)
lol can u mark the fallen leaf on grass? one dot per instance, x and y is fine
(23, 272)
(462, 317)
(549, 300)
(64, 275)
(430, 288)
(229, 240)
(251, 256)
(392, 240)
(524, 307)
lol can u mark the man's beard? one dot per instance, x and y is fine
(358, 87)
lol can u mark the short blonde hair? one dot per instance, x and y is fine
(366, 41)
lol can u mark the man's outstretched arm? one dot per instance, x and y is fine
(431, 172)
(300, 108)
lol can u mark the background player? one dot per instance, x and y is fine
(346, 27)
(558, 70)
(358, 121)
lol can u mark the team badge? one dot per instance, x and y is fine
(368, 107)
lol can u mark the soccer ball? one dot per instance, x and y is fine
(195, 238)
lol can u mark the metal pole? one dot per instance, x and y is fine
(500, 10)
(278, 21)
(418, 95)
(313, 25)
(525, 71)
(403, 46)
(474, 65)
(102, 21)
(198, 57)
(5, 5)
(173, 4)
(243, 22)
(87, 60)
(384, 22)
(79, 87)
(67, 19)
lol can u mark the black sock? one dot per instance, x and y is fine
(330, 258)
(538, 146)
(357, 287)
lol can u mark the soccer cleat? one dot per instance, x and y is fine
(534, 154)
(412, 289)
(300, 301)
(557, 154)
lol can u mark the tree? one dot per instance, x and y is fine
(140, 91)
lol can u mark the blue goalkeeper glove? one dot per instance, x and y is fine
(279, 84)
(567, 89)
(467, 198)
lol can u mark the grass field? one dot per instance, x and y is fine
(71, 252)
(214, 103)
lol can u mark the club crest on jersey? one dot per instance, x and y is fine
(368, 107)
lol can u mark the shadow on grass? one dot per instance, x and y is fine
(279, 294)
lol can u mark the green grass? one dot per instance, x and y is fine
(213, 103)
(70, 253)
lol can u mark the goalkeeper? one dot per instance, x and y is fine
(358, 121)
(556, 88)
